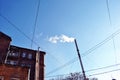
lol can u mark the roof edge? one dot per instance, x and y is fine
(5, 36)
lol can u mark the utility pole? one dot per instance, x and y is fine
(37, 65)
(80, 60)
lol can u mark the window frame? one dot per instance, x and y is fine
(30, 56)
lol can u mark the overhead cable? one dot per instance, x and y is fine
(110, 66)
(107, 3)
(16, 27)
(87, 52)
(13, 25)
(105, 72)
(64, 65)
(35, 24)
(103, 67)
(101, 43)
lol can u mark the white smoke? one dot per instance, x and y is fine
(62, 38)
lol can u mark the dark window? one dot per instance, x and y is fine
(28, 65)
(29, 56)
(24, 54)
(22, 64)
(13, 62)
(15, 54)
(8, 62)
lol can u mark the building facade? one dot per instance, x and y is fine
(20, 57)
(8, 72)
(4, 45)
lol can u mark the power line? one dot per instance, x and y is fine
(103, 67)
(87, 52)
(93, 70)
(107, 3)
(11, 23)
(109, 15)
(114, 47)
(101, 43)
(105, 72)
(55, 58)
(64, 65)
(16, 27)
(35, 24)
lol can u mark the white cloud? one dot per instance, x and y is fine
(62, 38)
(54, 39)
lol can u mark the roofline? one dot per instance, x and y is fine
(27, 49)
(5, 36)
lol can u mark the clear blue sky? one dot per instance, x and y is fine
(58, 22)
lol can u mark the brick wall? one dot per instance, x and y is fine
(4, 45)
(9, 72)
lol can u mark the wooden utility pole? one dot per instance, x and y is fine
(37, 65)
(80, 60)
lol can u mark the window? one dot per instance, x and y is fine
(1, 77)
(15, 54)
(28, 65)
(22, 64)
(8, 62)
(24, 54)
(29, 56)
(13, 62)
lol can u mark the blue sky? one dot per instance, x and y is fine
(62, 20)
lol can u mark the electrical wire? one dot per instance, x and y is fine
(87, 52)
(53, 57)
(108, 9)
(13, 25)
(103, 67)
(107, 3)
(105, 72)
(35, 24)
(101, 43)
(109, 15)
(16, 27)
(92, 70)
(64, 65)
(114, 47)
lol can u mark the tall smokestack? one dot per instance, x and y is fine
(37, 65)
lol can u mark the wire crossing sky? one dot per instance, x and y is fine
(53, 25)
(37, 12)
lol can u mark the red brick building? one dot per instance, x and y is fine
(19, 58)
(8, 72)
(4, 45)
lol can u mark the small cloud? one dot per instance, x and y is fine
(54, 39)
(62, 38)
